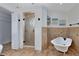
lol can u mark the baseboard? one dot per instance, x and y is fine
(8, 41)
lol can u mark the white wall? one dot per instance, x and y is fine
(5, 26)
(59, 15)
(15, 31)
(44, 16)
(38, 39)
(73, 15)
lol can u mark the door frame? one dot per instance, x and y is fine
(38, 30)
(22, 25)
(25, 18)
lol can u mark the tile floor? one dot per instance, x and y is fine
(51, 51)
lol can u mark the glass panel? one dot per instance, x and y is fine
(55, 21)
(62, 22)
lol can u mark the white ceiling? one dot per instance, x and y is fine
(57, 7)
(53, 7)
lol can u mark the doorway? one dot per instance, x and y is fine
(29, 32)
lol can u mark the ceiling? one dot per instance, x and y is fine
(57, 7)
(53, 7)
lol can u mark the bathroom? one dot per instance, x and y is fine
(62, 24)
(51, 21)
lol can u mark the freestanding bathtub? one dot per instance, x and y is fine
(60, 44)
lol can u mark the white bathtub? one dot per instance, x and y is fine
(60, 44)
(1, 48)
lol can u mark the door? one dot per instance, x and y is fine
(29, 29)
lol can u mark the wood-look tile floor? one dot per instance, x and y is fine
(30, 43)
(51, 51)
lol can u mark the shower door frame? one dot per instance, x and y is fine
(38, 30)
(33, 32)
(22, 25)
